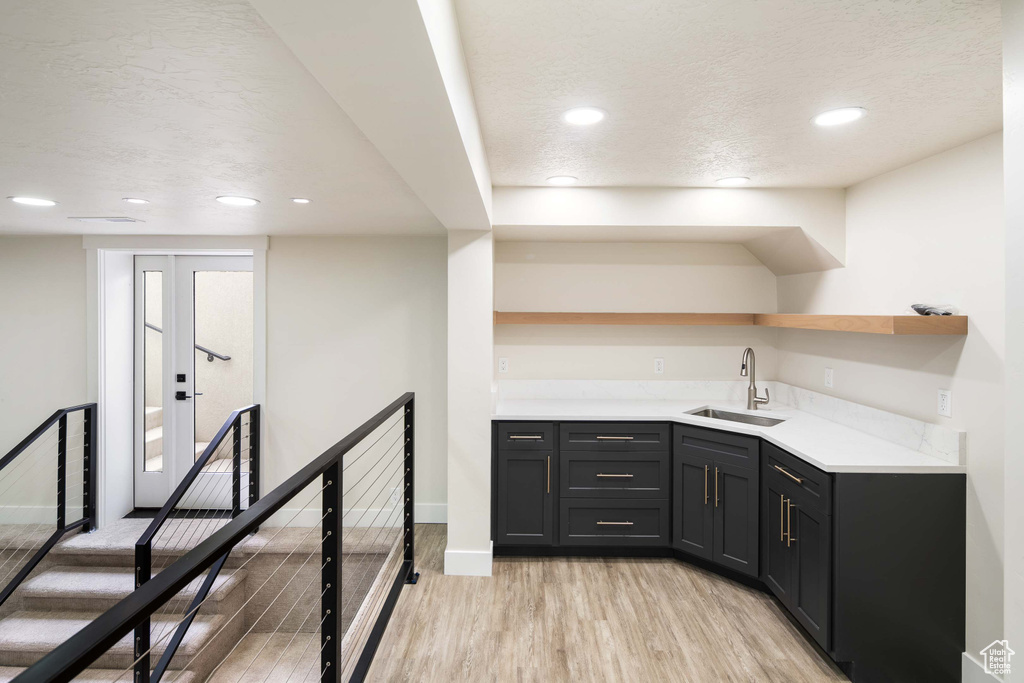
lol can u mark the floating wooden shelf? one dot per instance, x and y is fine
(501, 318)
(870, 324)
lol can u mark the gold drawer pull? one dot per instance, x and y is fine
(705, 484)
(519, 436)
(789, 523)
(615, 523)
(614, 438)
(549, 474)
(794, 478)
(622, 476)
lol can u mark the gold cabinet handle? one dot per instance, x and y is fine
(526, 437)
(549, 474)
(614, 438)
(782, 517)
(789, 523)
(615, 523)
(619, 476)
(705, 484)
(794, 478)
(716, 487)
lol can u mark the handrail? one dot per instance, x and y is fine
(144, 546)
(210, 355)
(88, 519)
(75, 654)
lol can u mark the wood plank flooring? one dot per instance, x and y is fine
(588, 619)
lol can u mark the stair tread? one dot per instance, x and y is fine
(7, 674)
(154, 433)
(43, 631)
(108, 582)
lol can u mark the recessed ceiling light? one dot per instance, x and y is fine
(562, 180)
(238, 201)
(300, 200)
(583, 116)
(836, 117)
(733, 182)
(135, 200)
(33, 201)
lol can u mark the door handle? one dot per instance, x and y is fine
(716, 487)
(180, 396)
(705, 484)
(789, 523)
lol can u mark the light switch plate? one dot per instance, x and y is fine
(503, 365)
(828, 378)
(659, 366)
(945, 403)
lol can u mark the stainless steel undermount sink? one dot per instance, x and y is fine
(736, 417)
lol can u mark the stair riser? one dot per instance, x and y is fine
(227, 603)
(154, 419)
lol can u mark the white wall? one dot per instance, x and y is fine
(1013, 146)
(352, 323)
(929, 232)
(648, 277)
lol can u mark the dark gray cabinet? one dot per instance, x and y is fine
(797, 540)
(525, 505)
(715, 497)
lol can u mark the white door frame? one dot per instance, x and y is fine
(109, 271)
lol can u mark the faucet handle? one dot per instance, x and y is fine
(766, 399)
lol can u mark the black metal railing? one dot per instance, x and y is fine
(49, 451)
(210, 353)
(343, 654)
(190, 514)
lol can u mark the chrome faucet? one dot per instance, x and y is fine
(753, 400)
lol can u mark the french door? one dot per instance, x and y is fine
(193, 367)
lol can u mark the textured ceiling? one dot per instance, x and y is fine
(699, 90)
(178, 101)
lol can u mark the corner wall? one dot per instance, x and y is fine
(929, 232)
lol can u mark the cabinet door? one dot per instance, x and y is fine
(776, 559)
(736, 530)
(692, 505)
(810, 544)
(525, 503)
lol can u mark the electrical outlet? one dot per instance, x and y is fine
(945, 403)
(828, 378)
(659, 366)
(503, 365)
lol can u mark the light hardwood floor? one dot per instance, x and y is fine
(592, 619)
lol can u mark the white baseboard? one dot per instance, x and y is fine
(973, 671)
(431, 513)
(468, 562)
(34, 514)
(426, 513)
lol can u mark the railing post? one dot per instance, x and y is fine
(330, 577)
(88, 471)
(62, 467)
(236, 467)
(143, 570)
(409, 527)
(254, 455)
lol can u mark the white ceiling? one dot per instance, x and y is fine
(697, 90)
(178, 101)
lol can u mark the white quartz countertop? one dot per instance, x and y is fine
(825, 444)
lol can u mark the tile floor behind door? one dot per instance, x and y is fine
(582, 620)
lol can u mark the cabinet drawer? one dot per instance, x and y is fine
(613, 436)
(526, 436)
(599, 522)
(722, 447)
(814, 485)
(613, 475)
